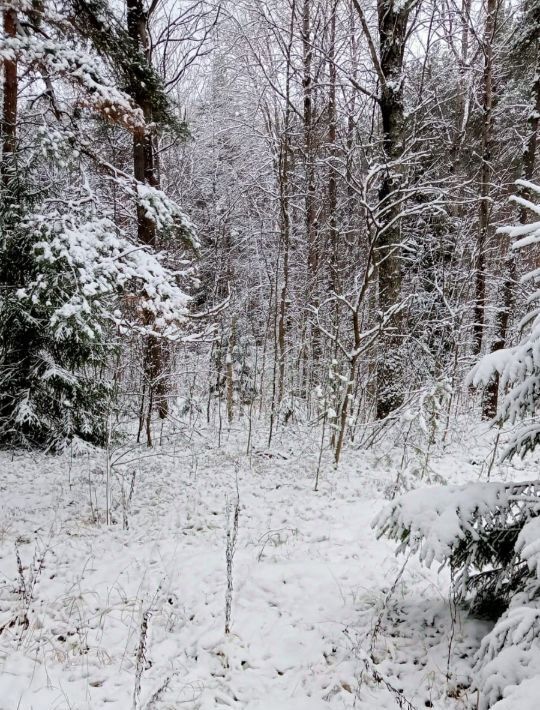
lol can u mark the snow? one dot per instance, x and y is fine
(491, 363)
(103, 263)
(58, 60)
(431, 520)
(528, 545)
(163, 211)
(316, 595)
(524, 696)
(509, 659)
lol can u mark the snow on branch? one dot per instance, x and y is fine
(164, 212)
(432, 521)
(507, 664)
(86, 267)
(55, 60)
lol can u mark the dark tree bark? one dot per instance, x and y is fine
(311, 349)
(392, 18)
(9, 108)
(485, 176)
(309, 148)
(333, 234)
(145, 171)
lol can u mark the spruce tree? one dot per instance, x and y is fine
(72, 279)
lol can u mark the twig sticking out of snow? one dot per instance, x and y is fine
(141, 657)
(232, 534)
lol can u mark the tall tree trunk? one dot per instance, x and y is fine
(485, 177)
(351, 118)
(313, 350)
(309, 148)
(14, 358)
(392, 18)
(9, 108)
(283, 170)
(145, 171)
(285, 237)
(229, 370)
(333, 246)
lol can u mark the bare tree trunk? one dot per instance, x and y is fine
(309, 157)
(485, 177)
(312, 353)
(333, 246)
(463, 95)
(284, 213)
(285, 235)
(349, 389)
(9, 108)
(229, 371)
(351, 114)
(393, 17)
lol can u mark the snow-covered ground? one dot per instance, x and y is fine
(132, 615)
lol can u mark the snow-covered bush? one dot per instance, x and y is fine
(83, 283)
(489, 533)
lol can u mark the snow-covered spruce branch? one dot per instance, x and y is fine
(489, 533)
(56, 60)
(89, 265)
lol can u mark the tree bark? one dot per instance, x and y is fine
(229, 371)
(285, 236)
(312, 350)
(309, 157)
(145, 171)
(485, 177)
(333, 234)
(9, 108)
(392, 18)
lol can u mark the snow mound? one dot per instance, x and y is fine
(509, 660)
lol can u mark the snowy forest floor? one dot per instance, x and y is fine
(97, 616)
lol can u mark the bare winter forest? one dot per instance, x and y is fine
(269, 311)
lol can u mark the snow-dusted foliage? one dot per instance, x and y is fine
(508, 659)
(508, 666)
(79, 69)
(519, 366)
(481, 530)
(164, 212)
(82, 270)
(432, 521)
(84, 283)
(74, 278)
(489, 533)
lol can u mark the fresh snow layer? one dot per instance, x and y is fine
(324, 615)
